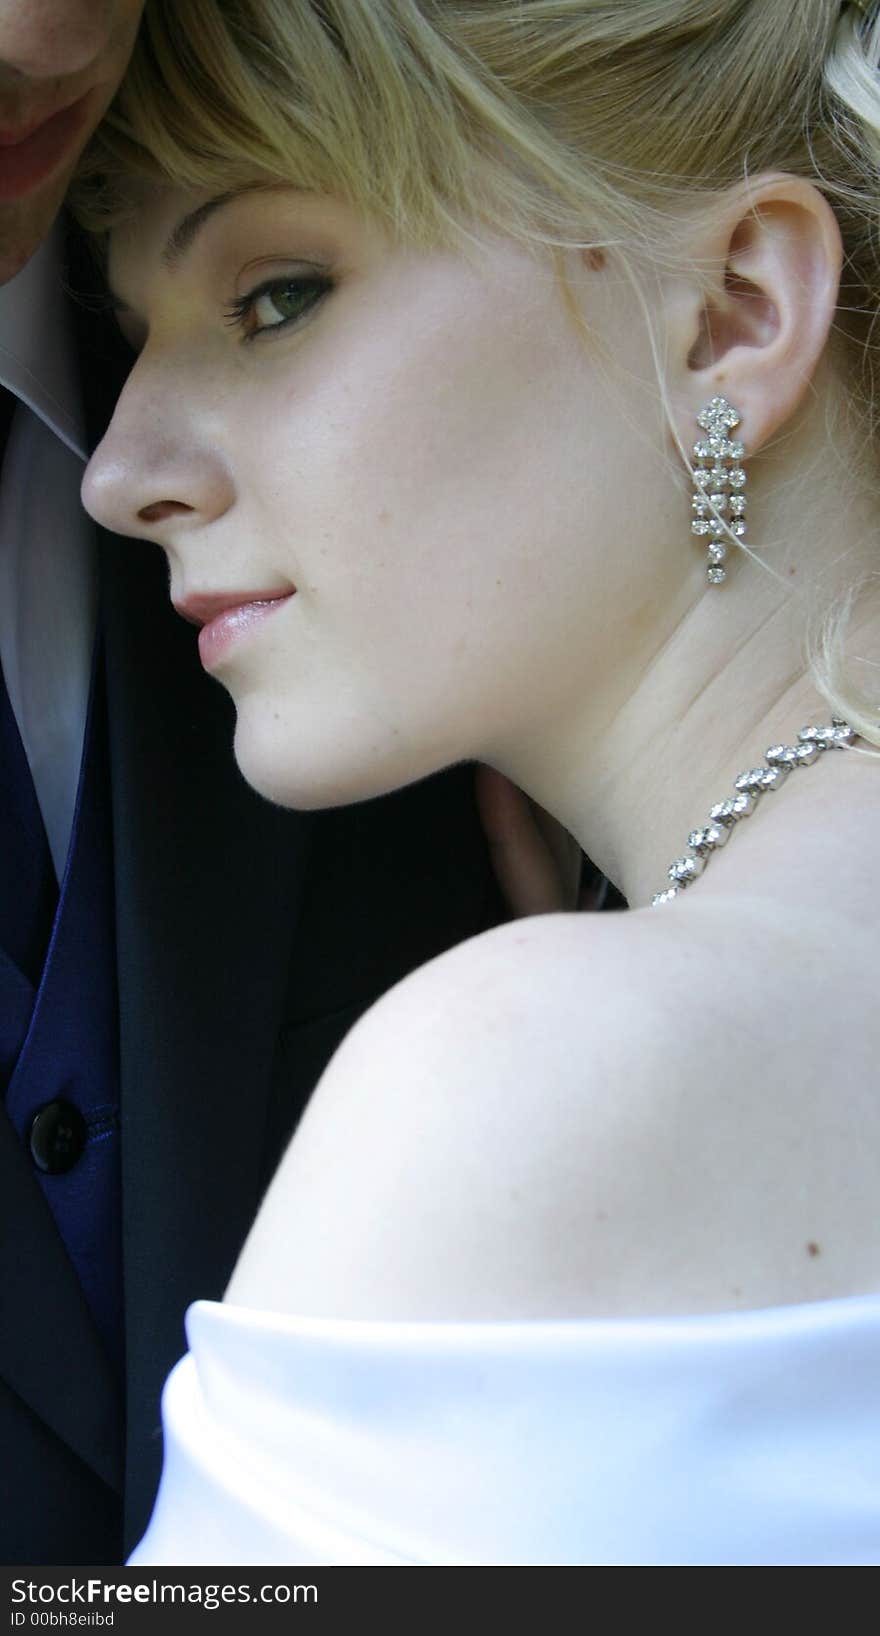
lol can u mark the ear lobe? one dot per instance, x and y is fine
(758, 335)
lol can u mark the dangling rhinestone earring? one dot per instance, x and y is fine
(718, 504)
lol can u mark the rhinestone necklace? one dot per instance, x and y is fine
(749, 787)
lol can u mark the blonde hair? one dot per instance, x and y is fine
(535, 116)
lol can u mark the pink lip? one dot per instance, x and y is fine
(227, 618)
(27, 157)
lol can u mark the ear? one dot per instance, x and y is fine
(757, 335)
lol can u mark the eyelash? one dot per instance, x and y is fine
(240, 310)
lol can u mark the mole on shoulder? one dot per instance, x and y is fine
(813, 1249)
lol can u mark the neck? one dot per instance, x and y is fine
(631, 776)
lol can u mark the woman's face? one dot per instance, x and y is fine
(396, 488)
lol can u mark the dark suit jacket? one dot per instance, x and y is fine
(249, 940)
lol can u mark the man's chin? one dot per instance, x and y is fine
(25, 223)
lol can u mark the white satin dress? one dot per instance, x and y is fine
(733, 1439)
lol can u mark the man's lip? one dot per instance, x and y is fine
(201, 609)
(32, 153)
(11, 137)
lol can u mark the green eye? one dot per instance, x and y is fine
(277, 303)
(281, 302)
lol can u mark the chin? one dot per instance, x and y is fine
(24, 224)
(308, 770)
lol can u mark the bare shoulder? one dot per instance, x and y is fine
(574, 1114)
(546, 991)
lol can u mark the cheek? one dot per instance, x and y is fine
(126, 15)
(452, 518)
(442, 582)
(479, 553)
(424, 496)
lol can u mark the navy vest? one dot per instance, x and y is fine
(59, 1050)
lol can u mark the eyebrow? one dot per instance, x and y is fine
(181, 237)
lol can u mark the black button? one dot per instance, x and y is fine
(58, 1136)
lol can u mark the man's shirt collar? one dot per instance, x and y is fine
(37, 359)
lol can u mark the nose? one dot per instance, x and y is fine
(156, 474)
(45, 39)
